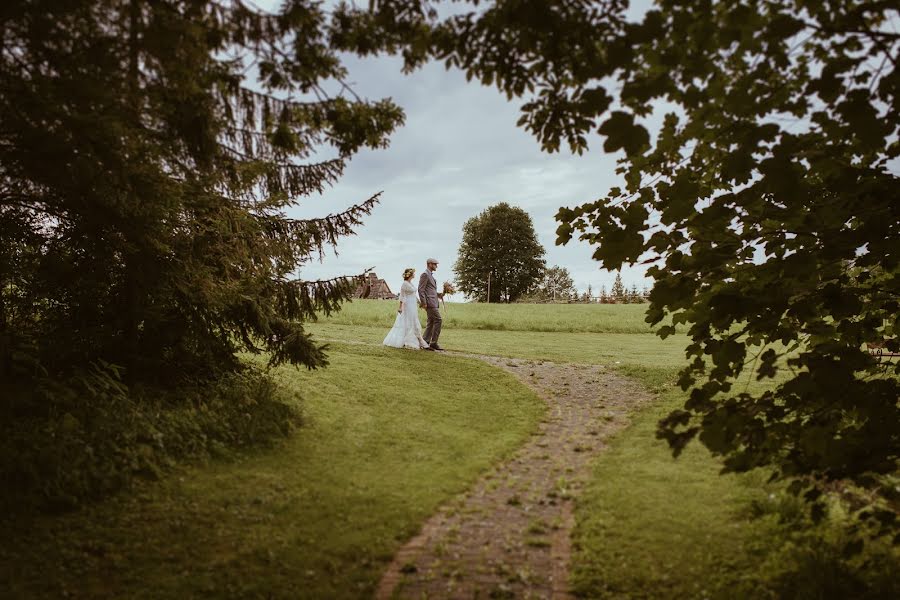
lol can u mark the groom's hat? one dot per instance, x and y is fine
(431, 260)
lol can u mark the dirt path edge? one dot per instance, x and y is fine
(509, 535)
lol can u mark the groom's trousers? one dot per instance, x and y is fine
(433, 327)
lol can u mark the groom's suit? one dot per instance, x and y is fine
(428, 296)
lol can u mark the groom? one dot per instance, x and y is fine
(428, 298)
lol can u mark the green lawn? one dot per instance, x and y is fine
(388, 436)
(639, 349)
(648, 525)
(595, 318)
(651, 526)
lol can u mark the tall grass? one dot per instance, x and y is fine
(563, 318)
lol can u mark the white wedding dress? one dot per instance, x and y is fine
(407, 330)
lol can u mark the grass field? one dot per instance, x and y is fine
(650, 526)
(568, 318)
(389, 435)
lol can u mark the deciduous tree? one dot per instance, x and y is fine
(499, 246)
(767, 205)
(556, 285)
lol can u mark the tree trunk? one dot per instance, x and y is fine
(131, 255)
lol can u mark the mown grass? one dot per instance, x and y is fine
(651, 526)
(590, 348)
(648, 526)
(388, 435)
(569, 318)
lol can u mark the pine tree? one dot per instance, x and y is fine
(159, 236)
(634, 296)
(617, 293)
(588, 295)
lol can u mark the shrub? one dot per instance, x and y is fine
(62, 444)
(829, 558)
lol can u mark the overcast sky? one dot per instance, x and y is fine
(458, 153)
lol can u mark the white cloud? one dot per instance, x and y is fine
(458, 153)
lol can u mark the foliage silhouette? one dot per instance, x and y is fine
(148, 155)
(766, 206)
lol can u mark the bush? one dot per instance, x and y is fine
(62, 444)
(831, 558)
(814, 563)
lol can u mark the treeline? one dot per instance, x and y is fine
(619, 294)
(501, 260)
(557, 286)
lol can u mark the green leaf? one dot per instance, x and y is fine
(622, 133)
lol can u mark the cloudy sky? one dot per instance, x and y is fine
(458, 153)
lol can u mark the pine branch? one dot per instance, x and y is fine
(294, 180)
(311, 236)
(256, 109)
(306, 300)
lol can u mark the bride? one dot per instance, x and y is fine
(407, 331)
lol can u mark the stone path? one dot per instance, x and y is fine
(509, 535)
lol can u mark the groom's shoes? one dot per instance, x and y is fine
(429, 348)
(435, 347)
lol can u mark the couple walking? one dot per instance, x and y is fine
(407, 330)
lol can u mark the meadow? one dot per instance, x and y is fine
(389, 436)
(649, 525)
(563, 318)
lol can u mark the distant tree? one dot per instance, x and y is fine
(617, 293)
(604, 297)
(556, 285)
(634, 295)
(499, 246)
(588, 295)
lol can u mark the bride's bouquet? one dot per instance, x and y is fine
(447, 291)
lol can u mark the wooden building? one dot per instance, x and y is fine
(375, 288)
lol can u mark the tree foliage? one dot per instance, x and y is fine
(555, 285)
(767, 206)
(499, 246)
(618, 290)
(148, 153)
